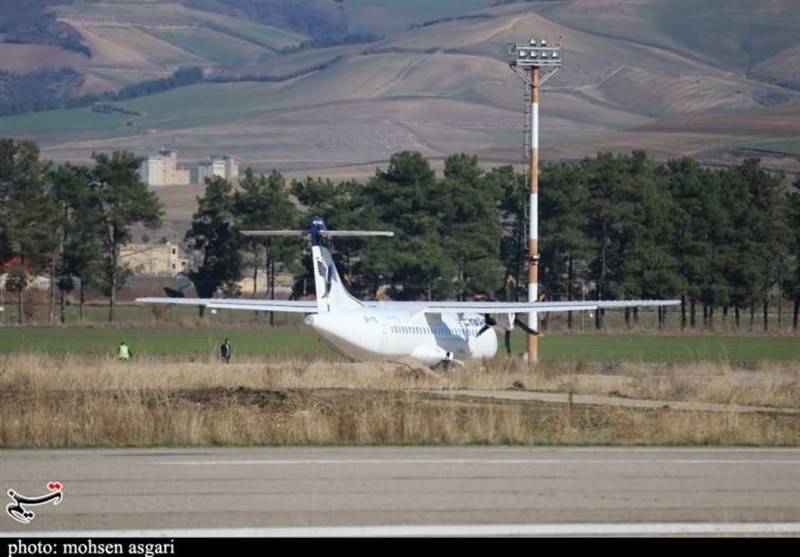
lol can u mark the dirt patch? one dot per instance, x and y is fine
(238, 396)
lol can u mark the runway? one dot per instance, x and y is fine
(462, 491)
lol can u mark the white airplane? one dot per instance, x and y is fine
(433, 333)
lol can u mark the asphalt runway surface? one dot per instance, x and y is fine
(404, 491)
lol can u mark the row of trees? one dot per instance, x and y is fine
(612, 227)
(50, 89)
(633, 227)
(70, 221)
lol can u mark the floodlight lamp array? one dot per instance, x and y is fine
(535, 54)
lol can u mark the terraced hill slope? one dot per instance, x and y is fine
(718, 80)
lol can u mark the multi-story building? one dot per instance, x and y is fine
(154, 259)
(162, 169)
(224, 166)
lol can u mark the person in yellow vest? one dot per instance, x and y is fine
(124, 352)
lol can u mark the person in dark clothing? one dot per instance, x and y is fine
(225, 351)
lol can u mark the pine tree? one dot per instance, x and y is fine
(123, 200)
(214, 234)
(768, 203)
(470, 228)
(262, 203)
(792, 283)
(28, 234)
(81, 231)
(648, 269)
(564, 246)
(409, 202)
(695, 218)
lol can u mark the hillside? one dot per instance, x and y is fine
(142, 39)
(715, 80)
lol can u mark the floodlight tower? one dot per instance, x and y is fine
(535, 63)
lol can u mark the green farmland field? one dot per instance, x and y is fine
(152, 341)
(265, 341)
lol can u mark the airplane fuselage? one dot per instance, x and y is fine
(374, 334)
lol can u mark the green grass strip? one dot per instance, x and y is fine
(275, 341)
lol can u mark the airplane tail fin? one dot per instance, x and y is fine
(331, 293)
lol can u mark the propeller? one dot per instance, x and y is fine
(489, 322)
(522, 325)
(172, 293)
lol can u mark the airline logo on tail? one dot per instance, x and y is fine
(327, 276)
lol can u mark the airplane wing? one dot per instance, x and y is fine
(291, 306)
(516, 307)
(301, 306)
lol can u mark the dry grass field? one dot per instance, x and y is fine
(79, 401)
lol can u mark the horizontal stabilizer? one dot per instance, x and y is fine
(274, 232)
(317, 230)
(354, 233)
(326, 233)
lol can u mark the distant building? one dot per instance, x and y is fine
(225, 166)
(154, 259)
(162, 170)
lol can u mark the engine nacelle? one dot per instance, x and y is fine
(506, 320)
(431, 355)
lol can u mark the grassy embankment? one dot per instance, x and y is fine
(63, 399)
